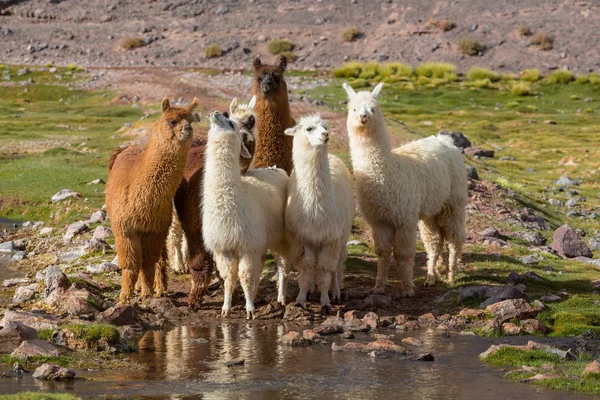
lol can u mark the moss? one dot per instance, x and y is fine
(477, 73)
(469, 47)
(213, 51)
(45, 334)
(561, 76)
(278, 46)
(131, 43)
(573, 316)
(93, 333)
(351, 34)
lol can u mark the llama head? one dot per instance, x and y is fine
(243, 117)
(311, 129)
(363, 108)
(268, 79)
(221, 126)
(177, 122)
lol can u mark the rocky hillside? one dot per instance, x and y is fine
(177, 33)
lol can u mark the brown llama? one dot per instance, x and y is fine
(274, 148)
(188, 201)
(139, 198)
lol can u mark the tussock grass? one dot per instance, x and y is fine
(437, 70)
(542, 41)
(469, 47)
(562, 76)
(213, 51)
(290, 56)
(521, 88)
(524, 31)
(372, 70)
(351, 34)
(130, 43)
(477, 73)
(530, 75)
(395, 69)
(278, 46)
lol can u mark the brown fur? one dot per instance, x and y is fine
(274, 148)
(139, 195)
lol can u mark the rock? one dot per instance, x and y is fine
(427, 319)
(490, 232)
(24, 293)
(65, 194)
(235, 362)
(555, 202)
(372, 320)
(32, 320)
(533, 327)
(409, 326)
(511, 329)
(458, 138)
(293, 312)
(492, 294)
(551, 298)
(18, 256)
(75, 228)
(72, 254)
(566, 181)
(96, 182)
(56, 283)
(471, 313)
(22, 71)
(102, 233)
(7, 247)
(531, 220)
(96, 245)
(479, 152)
(594, 244)
(15, 282)
(222, 10)
(50, 372)
(472, 173)
(308, 337)
(77, 302)
(425, 357)
(513, 308)
(385, 345)
(491, 327)
(35, 347)
(412, 341)
(567, 243)
(592, 368)
(587, 260)
(572, 202)
(12, 334)
(376, 301)
(533, 238)
(98, 216)
(120, 315)
(348, 335)
(102, 268)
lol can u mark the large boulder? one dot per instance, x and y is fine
(567, 243)
(36, 321)
(12, 334)
(512, 309)
(56, 283)
(52, 372)
(120, 315)
(35, 347)
(24, 293)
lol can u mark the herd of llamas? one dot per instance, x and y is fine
(262, 182)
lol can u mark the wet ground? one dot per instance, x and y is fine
(189, 363)
(5, 272)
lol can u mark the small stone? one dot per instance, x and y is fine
(472, 173)
(425, 357)
(24, 293)
(490, 232)
(479, 152)
(98, 216)
(372, 320)
(96, 182)
(46, 231)
(56, 283)
(65, 194)
(102, 268)
(533, 326)
(75, 228)
(235, 362)
(18, 256)
(102, 233)
(53, 372)
(511, 329)
(592, 368)
(348, 335)
(566, 181)
(120, 315)
(513, 308)
(471, 313)
(533, 238)
(427, 319)
(7, 247)
(15, 282)
(412, 341)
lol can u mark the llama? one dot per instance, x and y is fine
(188, 200)
(422, 183)
(139, 198)
(244, 118)
(274, 148)
(319, 210)
(242, 216)
(177, 247)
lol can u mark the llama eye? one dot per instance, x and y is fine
(354, 110)
(309, 129)
(372, 109)
(173, 123)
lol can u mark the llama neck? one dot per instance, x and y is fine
(311, 167)
(162, 164)
(370, 148)
(222, 167)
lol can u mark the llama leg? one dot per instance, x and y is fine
(305, 267)
(433, 241)
(327, 263)
(250, 267)
(130, 261)
(282, 270)
(152, 246)
(338, 275)
(227, 263)
(455, 233)
(161, 275)
(405, 242)
(383, 237)
(185, 253)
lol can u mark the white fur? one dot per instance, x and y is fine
(421, 183)
(177, 248)
(242, 215)
(319, 211)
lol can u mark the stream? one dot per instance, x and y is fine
(189, 363)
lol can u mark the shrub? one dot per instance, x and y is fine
(524, 31)
(95, 332)
(446, 25)
(594, 78)
(521, 88)
(289, 56)
(395, 69)
(562, 76)
(351, 34)
(437, 70)
(512, 104)
(469, 47)
(477, 73)
(351, 69)
(543, 41)
(530, 75)
(213, 51)
(370, 70)
(507, 77)
(583, 79)
(131, 43)
(72, 67)
(484, 84)
(278, 46)
(359, 83)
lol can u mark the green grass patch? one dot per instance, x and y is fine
(95, 332)
(437, 70)
(573, 316)
(561, 76)
(36, 361)
(45, 334)
(39, 396)
(530, 75)
(278, 46)
(477, 73)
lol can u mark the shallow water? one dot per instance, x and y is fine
(188, 363)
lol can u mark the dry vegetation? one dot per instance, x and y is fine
(351, 34)
(469, 47)
(213, 51)
(130, 43)
(278, 46)
(543, 41)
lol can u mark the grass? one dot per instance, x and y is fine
(530, 75)
(278, 46)
(469, 47)
(131, 43)
(45, 334)
(477, 73)
(38, 396)
(562, 76)
(94, 333)
(573, 316)
(437, 70)
(522, 88)
(542, 41)
(36, 361)
(351, 34)
(213, 51)
(568, 373)
(393, 71)
(524, 31)
(289, 56)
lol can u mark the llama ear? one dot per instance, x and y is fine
(377, 90)
(166, 106)
(193, 104)
(244, 152)
(351, 93)
(257, 64)
(282, 63)
(290, 131)
(233, 106)
(252, 103)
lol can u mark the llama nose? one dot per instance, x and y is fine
(363, 118)
(326, 137)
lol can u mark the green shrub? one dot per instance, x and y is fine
(290, 56)
(524, 31)
(484, 84)
(370, 70)
(543, 41)
(583, 79)
(512, 104)
(72, 67)
(506, 78)
(530, 75)
(213, 51)
(351, 34)
(130, 43)
(469, 47)
(477, 73)
(395, 69)
(594, 78)
(521, 88)
(278, 46)
(437, 70)
(359, 83)
(351, 69)
(45, 334)
(562, 76)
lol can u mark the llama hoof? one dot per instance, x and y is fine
(250, 315)
(326, 310)
(224, 313)
(407, 293)
(429, 282)
(378, 290)
(281, 300)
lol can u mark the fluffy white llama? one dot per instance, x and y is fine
(421, 183)
(242, 216)
(319, 210)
